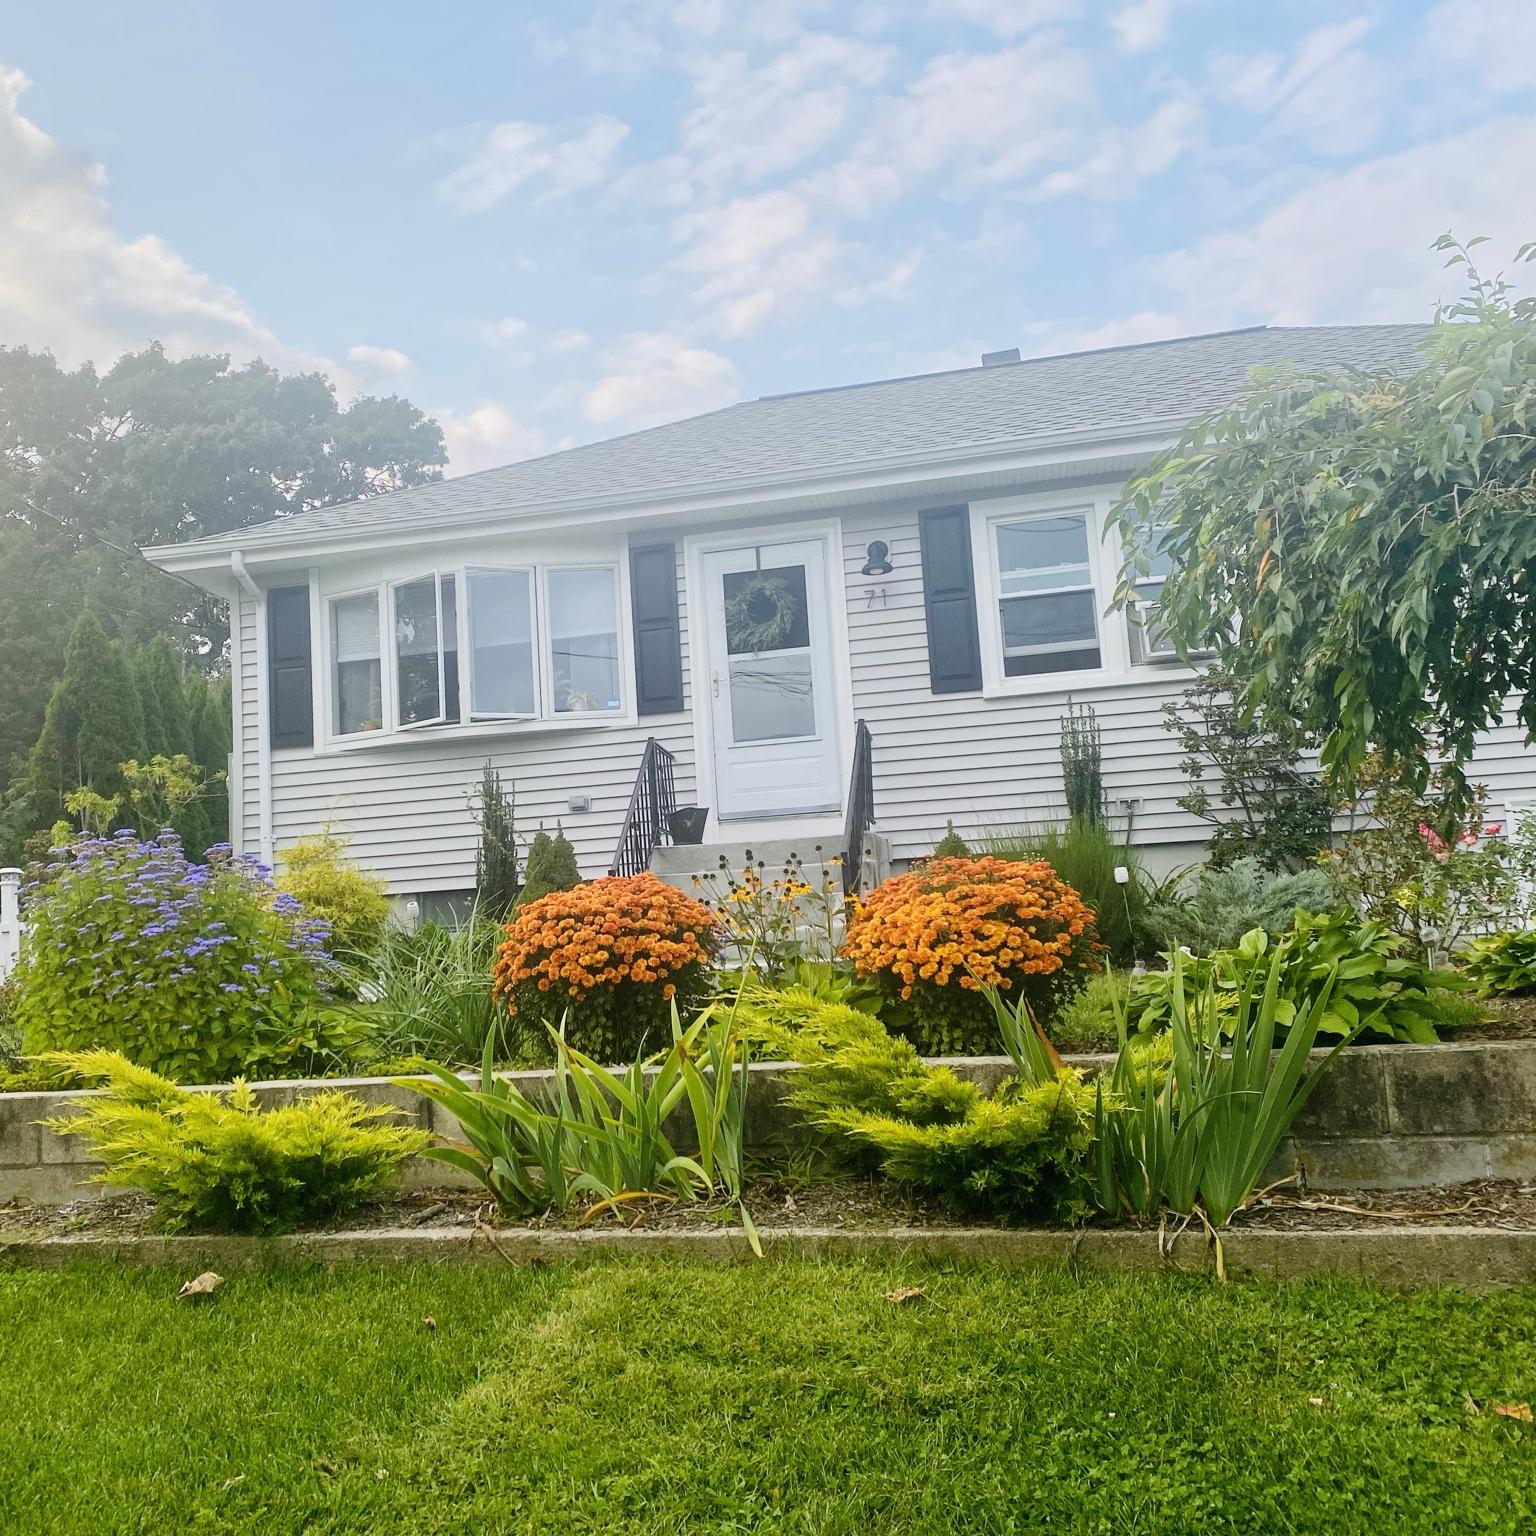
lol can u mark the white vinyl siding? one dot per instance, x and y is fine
(989, 761)
(248, 728)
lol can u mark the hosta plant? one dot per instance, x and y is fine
(1504, 963)
(1372, 987)
(220, 1163)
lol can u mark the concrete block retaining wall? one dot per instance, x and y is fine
(1386, 1117)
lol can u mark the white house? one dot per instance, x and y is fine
(924, 555)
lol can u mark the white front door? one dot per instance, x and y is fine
(768, 680)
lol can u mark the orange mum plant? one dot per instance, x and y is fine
(607, 957)
(935, 937)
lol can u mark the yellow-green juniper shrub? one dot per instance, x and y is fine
(220, 1163)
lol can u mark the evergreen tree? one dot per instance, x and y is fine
(92, 726)
(167, 728)
(551, 865)
(496, 882)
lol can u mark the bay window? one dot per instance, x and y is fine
(1048, 609)
(537, 642)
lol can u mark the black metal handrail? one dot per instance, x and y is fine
(653, 801)
(861, 807)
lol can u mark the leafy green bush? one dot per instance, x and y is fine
(1086, 1021)
(551, 866)
(1372, 988)
(1020, 1154)
(1504, 963)
(1225, 903)
(428, 993)
(213, 1163)
(196, 971)
(320, 877)
(1203, 1134)
(1086, 854)
(496, 874)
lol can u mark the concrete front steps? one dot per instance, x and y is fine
(815, 855)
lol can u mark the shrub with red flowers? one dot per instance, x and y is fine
(935, 937)
(607, 958)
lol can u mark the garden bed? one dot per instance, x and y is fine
(1476, 1236)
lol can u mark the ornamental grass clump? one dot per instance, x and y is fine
(605, 961)
(217, 1163)
(934, 939)
(196, 971)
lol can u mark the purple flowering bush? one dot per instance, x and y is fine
(200, 972)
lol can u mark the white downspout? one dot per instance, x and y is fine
(248, 585)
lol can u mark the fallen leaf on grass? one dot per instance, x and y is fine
(205, 1284)
(1318, 1402)
(905, 1293)
(429, 1322)
(1521, 1411)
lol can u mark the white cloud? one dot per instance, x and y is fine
(976, 120)
(508, 329)
(1008, 18)
(569, 341)
(1326, 91)
(656, 376)
(486, 437)
(750, 257)
(1143, 26)
(895, 283)
(381, 362)
(1125, 157)
(1494, 39)
(510, 154)
(1354, 247)
(71, 283)
(757, 121)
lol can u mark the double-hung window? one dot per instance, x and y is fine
(357, 677)
(583, 640)
(1048, 610)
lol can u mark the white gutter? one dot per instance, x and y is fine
(247, 584)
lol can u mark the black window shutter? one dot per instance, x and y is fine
(949, 600)
(290, 685)
(658, 635)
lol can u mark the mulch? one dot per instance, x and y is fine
(848, 1204)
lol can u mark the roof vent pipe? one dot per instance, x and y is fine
(993, 359)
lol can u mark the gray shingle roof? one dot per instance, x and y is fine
(784, 437)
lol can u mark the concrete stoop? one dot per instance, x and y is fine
(814, 854)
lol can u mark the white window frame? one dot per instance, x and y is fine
(466, 644)
(1143, 655)
(545, 638)
(441, 718)
(328, 671)
(985, 517)
(472, 724)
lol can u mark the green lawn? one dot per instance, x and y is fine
(785, 1397)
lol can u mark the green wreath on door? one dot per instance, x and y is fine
(760, 615)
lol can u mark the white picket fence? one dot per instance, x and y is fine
(10, 920)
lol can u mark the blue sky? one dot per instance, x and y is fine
(547, 223)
